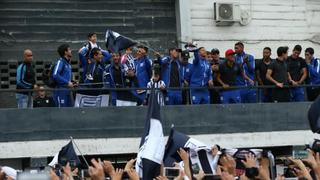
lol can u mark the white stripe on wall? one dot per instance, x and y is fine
(131, 145)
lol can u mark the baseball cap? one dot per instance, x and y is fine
(9, 172)
(229, 52)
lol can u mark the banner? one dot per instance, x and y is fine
(91, 101)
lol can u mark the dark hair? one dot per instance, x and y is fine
(62, 49)
(95, 51)
(200, 48)
(171, 49)
(119, 53)
(208, 52)
(297, 48)
(215, 51)
(156, 69)
(239, 44)
(267, 48)
(282, 50)
(143, 47)
(310, 50)
(91, 34)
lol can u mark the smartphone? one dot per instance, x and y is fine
(288, 173)
(195, 168)
(171, 172)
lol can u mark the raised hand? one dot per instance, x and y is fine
(117, 175)
(130, 164)
(96, 171)
(108, 168)
(133, 175)
(184, 155)
(250, 161)
(228, 164)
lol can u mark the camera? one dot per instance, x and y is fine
(185, 55)
(315, 146)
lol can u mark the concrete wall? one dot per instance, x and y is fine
(120, 122)
(274, 23)
(116, 130)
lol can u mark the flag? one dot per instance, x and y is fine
(314, 116)
(66, 154)
(151, 149)
(116, 42)
(200, 153)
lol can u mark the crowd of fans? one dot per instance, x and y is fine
(251, 166)
(210, 78)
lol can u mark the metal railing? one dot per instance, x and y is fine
(82, 88)
(167, 88)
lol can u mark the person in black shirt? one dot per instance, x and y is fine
(227, 76)
(216, 61)
(172, 76)
(42, 100)
(186, 69)
(261, 71)
(278, 74)
(297, 69)
(26, 79)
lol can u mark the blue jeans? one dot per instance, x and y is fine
(230, 97)
(174, 97)
(297, 94)
(265, 95)
(24, 101)
(199, 96)
(248, 95)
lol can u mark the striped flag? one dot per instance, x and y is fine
(200, 153)
(152, 145)
(116, 42)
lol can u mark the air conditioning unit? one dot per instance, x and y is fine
(226, 12)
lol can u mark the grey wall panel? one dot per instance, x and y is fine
(55, 123)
